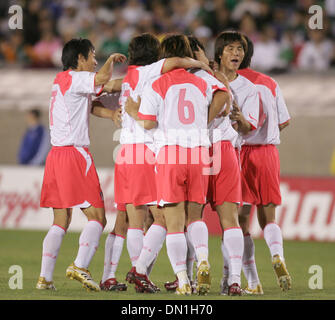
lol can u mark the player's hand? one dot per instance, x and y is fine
(117, 117)
(132, 107)
(117, 57)
(236, 114)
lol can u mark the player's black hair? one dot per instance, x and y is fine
(195, 44)
(248, 54)
(143, 50)
(36, 113)
(176, 45)
(71, 52)
(225, 38)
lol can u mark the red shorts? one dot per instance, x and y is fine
(70, 179)
(181, 174)
(134, 176)
(260, 174)
(225, 183)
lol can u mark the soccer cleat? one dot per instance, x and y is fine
(130, 277)
(283, 277)
(185, 290)
(83, 276)
(143, 283)
(171, 286)
(203, 278)
(234, 290)
(42, 284)
(257, 291)
(224, 286)
(112, 285)
(157, 289)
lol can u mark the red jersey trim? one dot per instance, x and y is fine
(146, 116)
(64, 80)
(132, 76)
(252, 126)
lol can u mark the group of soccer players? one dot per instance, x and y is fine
(191, 135)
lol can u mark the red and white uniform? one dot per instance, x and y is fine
(259, 155)
(70, 178)
(178, 101)
(134, 167)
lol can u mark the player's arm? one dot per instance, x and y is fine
(102, 112)
(220, 105)
(243, 126)
(222, 78)
(105, 72)
(113, 85)
(132, 107)
(184, 63)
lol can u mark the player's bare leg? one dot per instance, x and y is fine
(197, 232)
(113, 249)
(51, 246)
(176, 245)
(248, 262)
(233, 244)
(274, 240)
(88, 244)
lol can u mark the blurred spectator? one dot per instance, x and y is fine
(13, 49)
(317, 53)
(35, 143)
(246, 6)
(266, 51)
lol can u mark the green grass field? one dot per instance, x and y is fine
(23, 248)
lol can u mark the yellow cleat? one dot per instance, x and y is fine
(83, 276)
(257, 291)
(203, 277)
(42, 284)
(185, 290)
(283, 277)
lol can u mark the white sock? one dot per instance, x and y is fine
(274, 239)
(234, 243)
(225, 269)
(152, 243)
(112, 259)
(51, 246)
(249, 263)
(151, 265)
(177, 250)
(134, 244)
(88, 243)
(198, 234)
(108, 256)
(190, 257)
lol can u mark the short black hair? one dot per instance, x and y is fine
(35, 112)
(225, 38)
(195, 44)
(71, 52)
(143, 50)
(176, 45)
(248, 54)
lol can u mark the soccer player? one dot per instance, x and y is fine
(70, 178)
(135, 186)
(181, 137)
(230, 48)
(260, 176)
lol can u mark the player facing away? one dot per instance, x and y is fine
(177, 103)
(135, 186)
(230, 48)
(260, 176)
(70, 178)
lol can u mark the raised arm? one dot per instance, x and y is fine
(105, 72)
(113, 85)
(185, 63)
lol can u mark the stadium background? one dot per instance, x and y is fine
(30, 58)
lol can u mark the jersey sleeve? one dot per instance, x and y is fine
(149, 104)
(283, 114)
(152, 70)
(83, 82)
(250, 108)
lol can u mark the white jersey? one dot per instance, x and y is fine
(272, 109)
(133, 85)
(246, 95)
(179, 101)
(70, 107)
